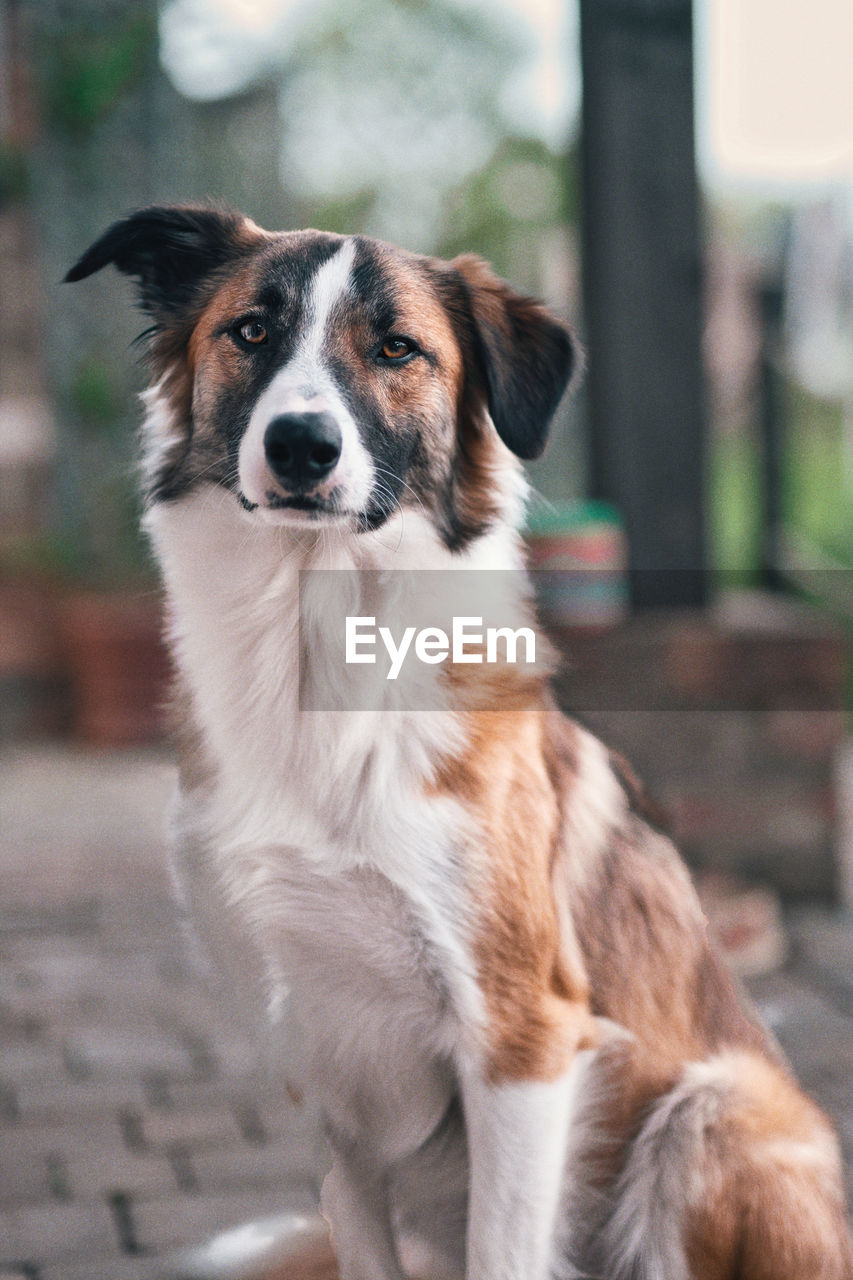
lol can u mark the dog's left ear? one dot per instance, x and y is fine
(527, 357)
(169, 250)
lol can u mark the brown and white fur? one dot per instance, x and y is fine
(530, 1060)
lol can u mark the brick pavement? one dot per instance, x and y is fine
(135, 1118)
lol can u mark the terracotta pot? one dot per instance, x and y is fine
(118, 667)
(33, 678)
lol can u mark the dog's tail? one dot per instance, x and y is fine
(734, 1175)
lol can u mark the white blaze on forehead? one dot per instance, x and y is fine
(330, 283)
(306, 383)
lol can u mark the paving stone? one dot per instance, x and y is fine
(23, 1180)
(72, 1135)
(31, 1155)
(162, 1224)
(98, 1174)
(54, 1233)
(229, 1168)
(55, 1101)
(213, 1126)
(246, 1087)
(67, 919)
(121, 1051)
(824, 943)
(809, 1027)
(30, 1062)
(106, 1268)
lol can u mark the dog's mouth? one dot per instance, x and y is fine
(297, 502)
(307, 508)
(299, 505)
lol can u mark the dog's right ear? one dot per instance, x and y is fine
(169, 250)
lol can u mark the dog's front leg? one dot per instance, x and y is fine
(355, 1204)
(517, 1132)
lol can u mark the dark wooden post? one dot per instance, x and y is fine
(642, 266)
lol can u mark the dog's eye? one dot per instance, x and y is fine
(252, 331)
(396, 350)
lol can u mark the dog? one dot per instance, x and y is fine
(530, 1060)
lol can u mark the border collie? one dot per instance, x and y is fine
(529, 1058)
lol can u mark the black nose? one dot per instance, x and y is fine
(301, 448)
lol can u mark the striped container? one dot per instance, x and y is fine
(579, 557)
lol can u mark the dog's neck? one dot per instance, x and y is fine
(223, 569)
(246, 645)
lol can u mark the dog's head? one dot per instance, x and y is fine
(331, 379)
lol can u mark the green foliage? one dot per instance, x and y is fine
(520, 191)
(734, 507)
(118, 554)
(49, 556)
(348, 214)
(14, 176)
(396, 124)
(95, 399)
(818, 497)
(89, 64)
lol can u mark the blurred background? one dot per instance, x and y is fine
(678, 181)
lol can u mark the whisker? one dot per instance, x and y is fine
(384, 491)
(388, 472)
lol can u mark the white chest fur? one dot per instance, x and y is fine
(317, 839)
(339, 786)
